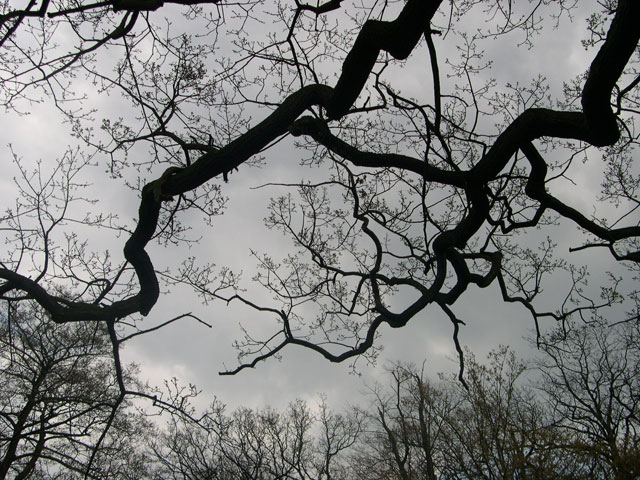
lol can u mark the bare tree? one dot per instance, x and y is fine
(589, 374)
(256, 444)
(501, 429)
(58, 398)
(570, 416)
(493, 426)
(406, 428)
(424, 194)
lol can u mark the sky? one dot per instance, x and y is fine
(195, 354)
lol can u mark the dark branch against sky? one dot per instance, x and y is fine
(432, 188)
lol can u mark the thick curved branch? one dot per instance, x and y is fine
(394, 320)
(328, 6)
(414, 18)
(398, 38)
(596, 124)
(319, 131)
(536, 189)
(620, 44)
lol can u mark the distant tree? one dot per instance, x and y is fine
(570, 415)
(256, 444)
(406, 428)
(501, 429)
(59, 401)
(590, 377)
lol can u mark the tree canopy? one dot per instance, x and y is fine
(425, 177)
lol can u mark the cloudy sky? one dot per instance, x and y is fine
(195, 354)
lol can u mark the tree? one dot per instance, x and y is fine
(500, 427)
(59, 402)
(574, 419)
(256, 444)
(424, 195)
(591, 382)
(503, 423)
(492, 426)
(406, 428)
(570, 415)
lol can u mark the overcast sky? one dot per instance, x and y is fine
(195, 354)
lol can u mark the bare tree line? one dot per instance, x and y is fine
(570, 414)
